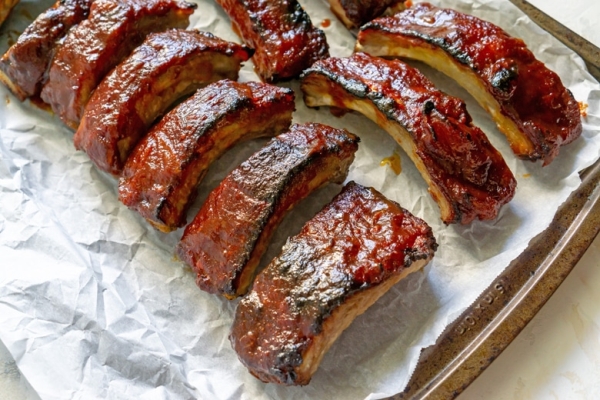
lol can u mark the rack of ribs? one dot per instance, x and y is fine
(282, 34)
(161, 176)
(354, 13)
(528, 101)
(230, 233)
(166, 67)
(341, 262)
(99, 43)
(23, 67)
(467, 176)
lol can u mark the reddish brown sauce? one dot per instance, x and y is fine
(249, 203)
(326, 23)
(356, 242)
(29, 57)
(99, 43)
(360, 11)
(282, 34)
(161, 175)
(528, 92)
(118, 114)
(469, 172)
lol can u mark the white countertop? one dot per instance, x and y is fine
(557, 355)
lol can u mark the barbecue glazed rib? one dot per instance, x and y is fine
(23, 67)
(167, 66)
(230, 233)
(341, 262)
(160, 178)
(92, 48)
(282, 34)
(467, 177)
(5, 7)
(354, 13)
(528, 101)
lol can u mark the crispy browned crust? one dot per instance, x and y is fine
(167, 66)
(339, 264)
(23, 67)
(282, 34)
(160, 178)
(92, 48)
(354, 13)
(466, 175)
(528, 101)
(5, 7)
(227, 238)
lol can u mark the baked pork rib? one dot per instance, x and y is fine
(285, 40)
(160, 178)
(528, 101)
(466, 175)
(341, 262)
(95, 46)
(23, 67)
(230, 233)
(167, 66)
(354, 13)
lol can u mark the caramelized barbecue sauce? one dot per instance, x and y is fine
(99, 43)
(458, 156)
(529, 94)
(142, 87)
(361, 11)
(356, 242)
(242, 212)
(282, 34)
(27, 61)
(160, 177)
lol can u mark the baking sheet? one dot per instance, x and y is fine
(92, 303)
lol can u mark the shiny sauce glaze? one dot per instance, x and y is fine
(467, 169)
(225, 241)
(529, 93)
(92, 48)
(356, 243)
(167, 66)
(161, 175)
(26, 62)
(354, 13)
(282, 34)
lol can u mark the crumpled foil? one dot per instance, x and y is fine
(93, 303)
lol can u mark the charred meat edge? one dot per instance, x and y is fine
(377, 39)
(322, 164)
(298, 361)
(98, 44)
(281, 32)
(24, 66)
(166, 67)
(318, 85)
(354, 13)
(243, 116)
